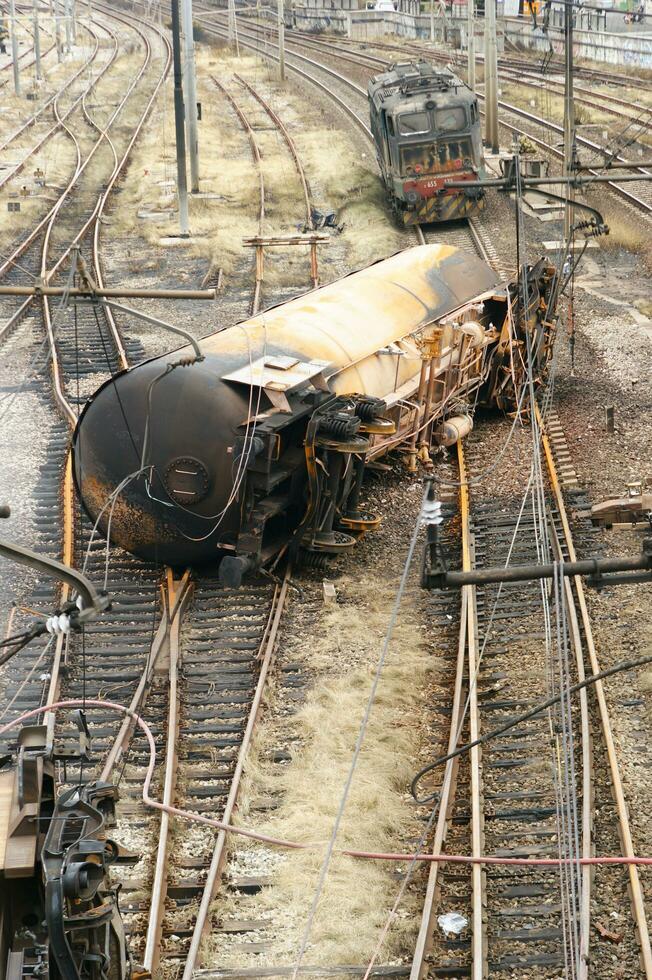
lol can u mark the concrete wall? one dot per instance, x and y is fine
(626, 48)
(618, 49)
(368, 24)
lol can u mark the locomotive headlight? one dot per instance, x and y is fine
(412, 196)
(418, 168)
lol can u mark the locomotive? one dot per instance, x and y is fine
(259, 446)
(426, 129)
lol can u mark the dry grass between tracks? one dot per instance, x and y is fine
(57, 161)
(342, 177)
(339, 649)
(549, 106)
(624, 232)
(350, 185)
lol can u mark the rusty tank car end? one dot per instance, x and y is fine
(260, 448)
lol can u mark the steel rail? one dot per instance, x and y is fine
(341, 103)
(59, 119)
(178, 595)
(26, 53)
(528, 78)
(478, 241)
(8, 262)
(583, 141)
(255, 152)
(458, 59)
(294, 153)
(478, 901)
(635, 886)
(67, 558)
(118, 169)
(22, 247)
(215, 870)
(68, 490)
(587, 842)
(48, 220)
(57, 373)
(420, 958)
(531, 80)
(250, 41)
(68, 82)
(468, 639)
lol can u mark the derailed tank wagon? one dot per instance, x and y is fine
(260, 447)
(426, 128)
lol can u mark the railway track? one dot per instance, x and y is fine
(81, 346)
(199, 686)
(85, 347)
(76, 213)
(273, 216)
(31, 121)
(164, 644)
(622, 112)
(533, 792)
(339, 89)
(27, 55)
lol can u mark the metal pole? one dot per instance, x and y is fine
(73, 20)
(569, 113)
(66, 13)
(14, 46)
(37, 43)
(190, 86)
(231, 22)
(490, 81)
(182, 187)
(432, 21)
(281, 39)
(57, 27)
(470, 42)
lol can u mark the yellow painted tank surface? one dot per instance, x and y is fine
(193, 418)
(348, 321)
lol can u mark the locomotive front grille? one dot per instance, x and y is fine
(441, 156)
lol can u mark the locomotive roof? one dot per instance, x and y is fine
(414, 81)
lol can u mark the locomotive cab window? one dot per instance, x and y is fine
(450, 120)
(413, 123)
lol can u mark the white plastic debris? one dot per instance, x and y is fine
(452, 923)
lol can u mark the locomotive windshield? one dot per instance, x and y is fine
(451, 119)
(413, 123)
